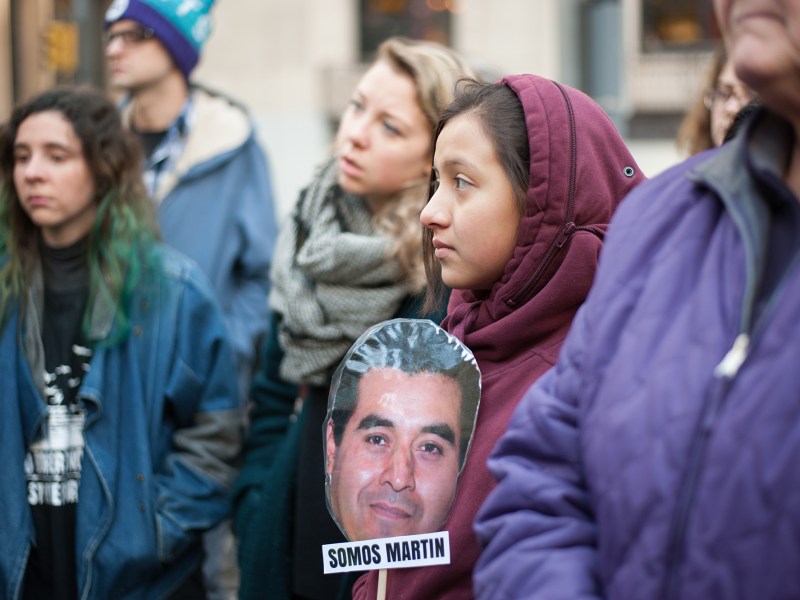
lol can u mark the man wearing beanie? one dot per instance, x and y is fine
(204, 170)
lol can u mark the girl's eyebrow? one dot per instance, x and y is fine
(455, 163)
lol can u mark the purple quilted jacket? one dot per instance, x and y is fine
(660, 458)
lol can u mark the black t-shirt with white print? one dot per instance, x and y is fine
(53, 462)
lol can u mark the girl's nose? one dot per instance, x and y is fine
(434, 214)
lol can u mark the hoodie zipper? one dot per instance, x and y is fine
(569, 227)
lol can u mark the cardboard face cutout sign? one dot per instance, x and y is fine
(401, 413)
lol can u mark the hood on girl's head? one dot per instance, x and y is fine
(580, 170)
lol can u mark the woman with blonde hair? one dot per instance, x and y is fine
(350, 256)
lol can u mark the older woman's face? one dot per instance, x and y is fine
(730, 96)
(763, 38)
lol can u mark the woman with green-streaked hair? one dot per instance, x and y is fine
(120, 421)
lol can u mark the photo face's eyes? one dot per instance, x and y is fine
(375, 439)
(432, 449)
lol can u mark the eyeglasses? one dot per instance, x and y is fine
(723, 95)
(129, 37)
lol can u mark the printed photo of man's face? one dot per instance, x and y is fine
(401, 413)
(394, 470)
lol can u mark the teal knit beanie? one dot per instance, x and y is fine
(182, 26)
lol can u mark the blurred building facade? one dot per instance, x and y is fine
(294, 62)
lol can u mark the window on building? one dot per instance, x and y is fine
(418, 19)
(675, 25)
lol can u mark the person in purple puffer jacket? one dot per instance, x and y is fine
(659, 458)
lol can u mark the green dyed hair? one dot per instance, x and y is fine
(123, 234)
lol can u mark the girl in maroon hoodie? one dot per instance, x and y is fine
(527, 173)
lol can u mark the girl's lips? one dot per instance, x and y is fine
(440, 250)
(348, 167)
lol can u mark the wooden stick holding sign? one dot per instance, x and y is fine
(406, 388)
(382, 584)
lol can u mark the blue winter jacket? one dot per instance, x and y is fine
(216, 206)
(660, 457)
(162, 430)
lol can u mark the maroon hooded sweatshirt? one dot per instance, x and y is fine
(580, 170)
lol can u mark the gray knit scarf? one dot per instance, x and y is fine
(331, 279)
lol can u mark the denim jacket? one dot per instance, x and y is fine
(162, 430)
(215, 204)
